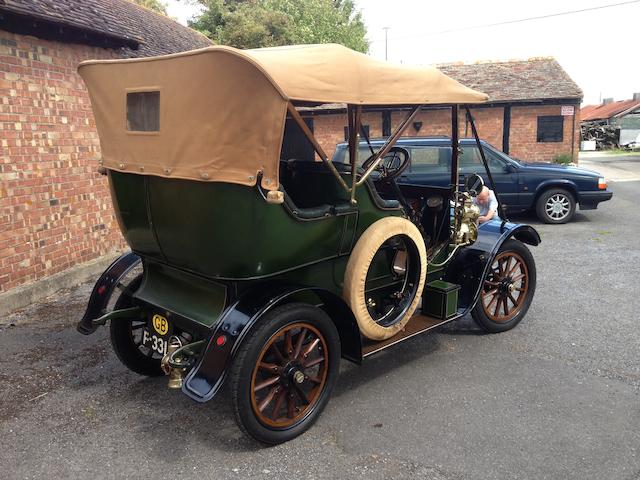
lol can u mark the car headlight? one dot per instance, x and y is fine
(602, 183)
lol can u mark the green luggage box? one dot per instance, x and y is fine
(440, 299)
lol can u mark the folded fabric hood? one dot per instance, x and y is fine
(218, 113)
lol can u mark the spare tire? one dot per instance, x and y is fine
(384, 299)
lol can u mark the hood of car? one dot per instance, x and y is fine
(540, 167)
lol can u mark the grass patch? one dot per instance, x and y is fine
(620, 151)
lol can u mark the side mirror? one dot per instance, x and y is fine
(473, 184)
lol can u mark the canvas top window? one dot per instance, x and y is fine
(143, 111)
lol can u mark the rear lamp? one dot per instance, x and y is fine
(221, 340)
(602, 183)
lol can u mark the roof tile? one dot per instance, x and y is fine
(155, 33)
(516, 80)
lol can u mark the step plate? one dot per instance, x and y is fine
(417, 325)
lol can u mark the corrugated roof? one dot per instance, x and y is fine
(516, 80)
(603, 112)
(153, 33)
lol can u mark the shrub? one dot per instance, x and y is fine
(563, 158)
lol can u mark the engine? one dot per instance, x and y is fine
(465, 220)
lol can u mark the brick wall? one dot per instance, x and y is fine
(523, 144)
(55, 210)
(329, 129)
(489, 122)
(523, 137)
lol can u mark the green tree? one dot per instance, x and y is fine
(266, 23)
(156, 5)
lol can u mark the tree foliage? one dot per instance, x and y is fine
(156, 5)
(267, 23)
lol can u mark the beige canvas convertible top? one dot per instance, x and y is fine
(222, 110)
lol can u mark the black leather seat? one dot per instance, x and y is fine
(312, 191)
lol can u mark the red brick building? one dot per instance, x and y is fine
(532, 113)
(55, 210)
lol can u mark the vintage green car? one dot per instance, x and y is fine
(267, 270)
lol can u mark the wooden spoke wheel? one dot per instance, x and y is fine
(284, 372)
(505, 288)
(508, 288)
(289, 375)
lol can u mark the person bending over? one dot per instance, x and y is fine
(488, 204)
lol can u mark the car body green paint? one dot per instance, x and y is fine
(197, 238)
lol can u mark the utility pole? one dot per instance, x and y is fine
(386, 42)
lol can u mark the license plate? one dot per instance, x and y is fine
(156, 334)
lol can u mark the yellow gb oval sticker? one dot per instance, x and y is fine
(160, 324)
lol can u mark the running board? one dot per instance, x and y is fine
(417, 325)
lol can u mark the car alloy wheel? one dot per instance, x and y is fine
(557, 206)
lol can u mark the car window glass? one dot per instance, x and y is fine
(496, 164)
(470, 158)
(342, 154)
(471, 161)
(430, 159)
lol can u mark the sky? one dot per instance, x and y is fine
(598, 48)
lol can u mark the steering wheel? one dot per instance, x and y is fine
(393, 164)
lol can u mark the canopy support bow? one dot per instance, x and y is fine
(354, 117)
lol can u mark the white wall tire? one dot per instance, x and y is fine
(358, 267)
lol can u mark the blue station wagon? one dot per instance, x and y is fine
(552, 190)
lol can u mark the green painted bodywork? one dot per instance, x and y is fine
(227, 231)
(440, 299)
(198, 238)
(191, 296)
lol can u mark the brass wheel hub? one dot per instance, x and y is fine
(298, 376)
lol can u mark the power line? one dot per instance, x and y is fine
(509, 22)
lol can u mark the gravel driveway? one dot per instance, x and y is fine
(555, 398)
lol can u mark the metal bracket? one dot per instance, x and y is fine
(184, 356)
(116, 314)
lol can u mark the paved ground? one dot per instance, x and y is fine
(556, 398)
(619, 168)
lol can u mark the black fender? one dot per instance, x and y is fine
(207, 377)
(471, 264)
(103, 289)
